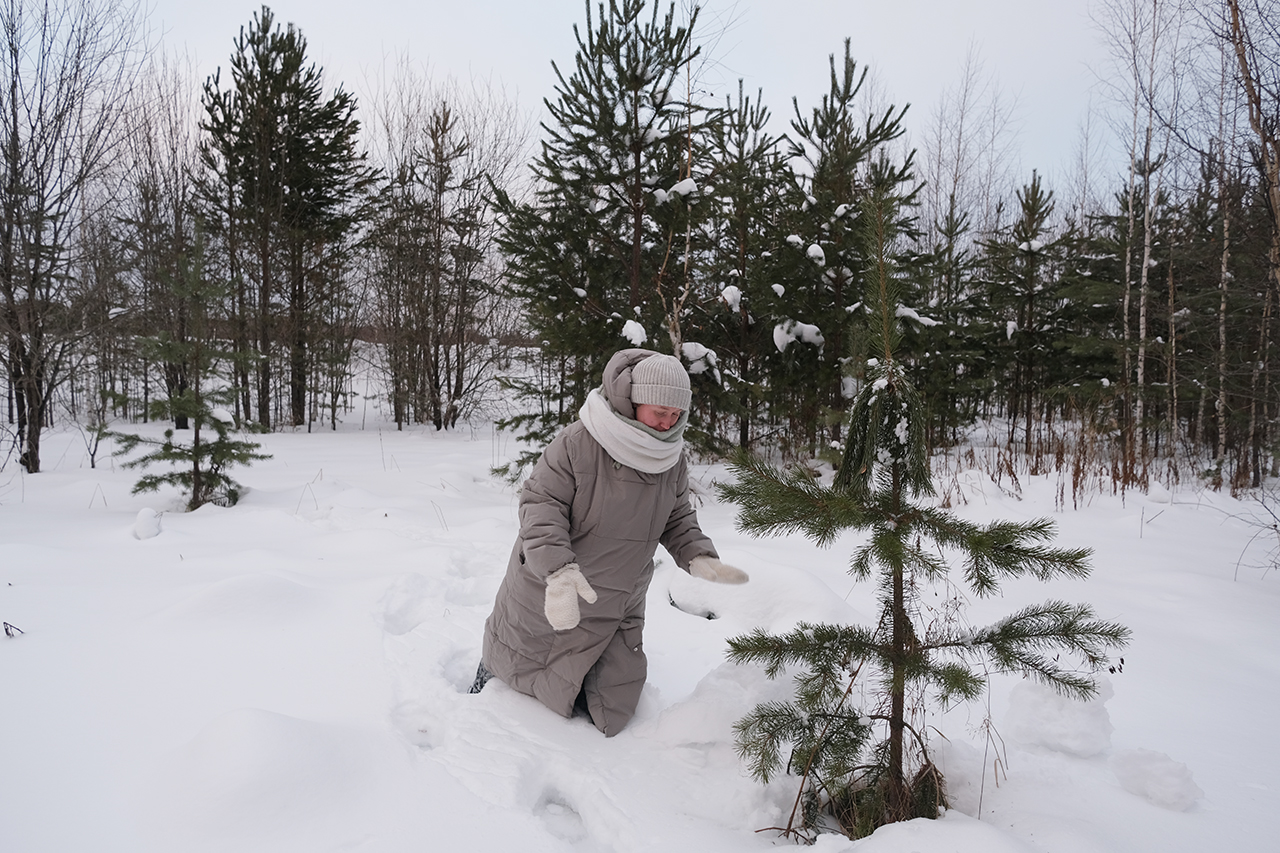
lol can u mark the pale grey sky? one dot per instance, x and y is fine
(1040, 52)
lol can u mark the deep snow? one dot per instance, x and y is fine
(290, 674)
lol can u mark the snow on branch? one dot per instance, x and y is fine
(912, 314)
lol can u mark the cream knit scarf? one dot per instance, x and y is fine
(630, 442)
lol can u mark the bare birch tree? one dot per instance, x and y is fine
(969, 163)
(1144, 37)
(67, 67)
(433, 263)
(159, 228)
(1253, 33)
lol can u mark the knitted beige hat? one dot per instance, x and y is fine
(660, 380)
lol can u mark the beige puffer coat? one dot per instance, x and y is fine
(580, 506)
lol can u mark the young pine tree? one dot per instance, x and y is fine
(870, 767)
(747, 174)
(198, 461)
(818, 257)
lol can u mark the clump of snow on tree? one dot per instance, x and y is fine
(732, 295)
(902, 431)
(792, 330)
(815, 254)
(700, 359)
(912, 314)
(634, 332)
(1156, 778)
(778, 289)
(794, 240)
(582, 294)
(222, 416)
(684, 188)
(1010, 327)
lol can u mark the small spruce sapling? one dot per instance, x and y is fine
(199, 465)
(864, 769)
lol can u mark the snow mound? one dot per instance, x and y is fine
(255, 762)
(1157, 493)
(952, 833)
(147, 524)
(1040, 716)
(407, 604)
(1156, 778)
(708, 714)
(261, 599)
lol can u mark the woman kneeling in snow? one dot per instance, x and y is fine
(606, 492)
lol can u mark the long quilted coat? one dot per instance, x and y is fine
(580, 506)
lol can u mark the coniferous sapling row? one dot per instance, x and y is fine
(867, 767)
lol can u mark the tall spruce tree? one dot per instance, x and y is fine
(868, 767)
(596, 256)
(1026, 269)
(951, 367)
(285, 187)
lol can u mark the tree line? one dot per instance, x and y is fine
(1130, 315)
(234, 243)
(1123, 322)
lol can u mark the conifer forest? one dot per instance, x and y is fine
(251, 247)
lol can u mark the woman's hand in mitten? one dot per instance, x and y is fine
(564, 585)
(711, 569)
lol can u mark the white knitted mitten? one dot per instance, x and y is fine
(564, 585)
(711, 569)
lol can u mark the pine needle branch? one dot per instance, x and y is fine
(1031, 640)
(1007, 549)
(776, 503)
(822, 648)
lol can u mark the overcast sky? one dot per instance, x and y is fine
(1044, 53)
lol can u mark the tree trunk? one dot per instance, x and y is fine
(297, 335)
(1171, 376)
(264, 327)
(1224, 277)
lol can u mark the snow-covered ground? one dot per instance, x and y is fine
(290, 674)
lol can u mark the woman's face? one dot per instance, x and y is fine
(661, 418)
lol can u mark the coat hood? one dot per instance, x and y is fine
(617, 379)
